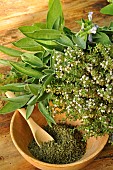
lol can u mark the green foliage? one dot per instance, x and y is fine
(107, 9)
(28, 44)
(55, 17)
(13, 104)
(73, 70)
(11, 52)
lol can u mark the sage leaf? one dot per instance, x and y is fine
(28, 44)
(102, 38)
(40, 25)
(65, 41)
(32, 60)
(48, 71)
(18, 99)
(111, 25)
(49, 44)
(45, 113)
(33, 100)
(44, 34)
(26, 70)
(54, 12)
(50, 3)
(12, 106)
(4, 62)
(29, 111)
(44, 96)
(11, 52)
(30, 28)
(107, 9)
(34, 88)
(15, 87)
(48, 79)
(80, 41)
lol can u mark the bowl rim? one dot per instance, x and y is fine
(81, 161)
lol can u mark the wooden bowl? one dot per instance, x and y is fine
(21, 136)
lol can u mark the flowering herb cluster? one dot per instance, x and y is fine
(83, 87)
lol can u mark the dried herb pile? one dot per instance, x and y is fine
(67, 147)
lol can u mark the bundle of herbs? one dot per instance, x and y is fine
(73, 70)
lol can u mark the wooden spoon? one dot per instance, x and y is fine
(39, 134)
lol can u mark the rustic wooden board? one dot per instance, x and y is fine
(14, 13)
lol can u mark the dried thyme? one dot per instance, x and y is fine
(67, 147)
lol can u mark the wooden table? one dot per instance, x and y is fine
(14, 13)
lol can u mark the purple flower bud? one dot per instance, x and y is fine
(90, 16)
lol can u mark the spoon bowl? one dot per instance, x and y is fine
(39, 134)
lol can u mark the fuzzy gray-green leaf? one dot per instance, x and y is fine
(44, 96)
(44, 34)
(32, 60)
(65, 41)
(55, 11)
(29, 111)
(50, 44)
(15, 87)
(18, 99)
(48, 79)
(4, 62)
(12, 106)
(26, 70)
(10, 51)
(107, 9)
(45, 113)
(48, 71)
(34, 88)
(28, 44)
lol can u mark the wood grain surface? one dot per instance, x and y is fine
(14, 13)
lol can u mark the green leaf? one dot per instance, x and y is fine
(48, 71)
(101, 38)
(30, 28)
(51, 45)
(65, 41)
(32, 60)
(107, 30)
(10, 51)
(107, 9)
(33, 100)
(18, 99)
(80, 41)
(28, 44)
(44, 34)
(4, 62)
(44, 96)
(29, 111)
(111, 25)
(48, 79)
(54, 12)
(12, 106)
(45, 113)
(40, 25)
(50, 3)
(34, 88)
(15, 87)
(26, 70)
